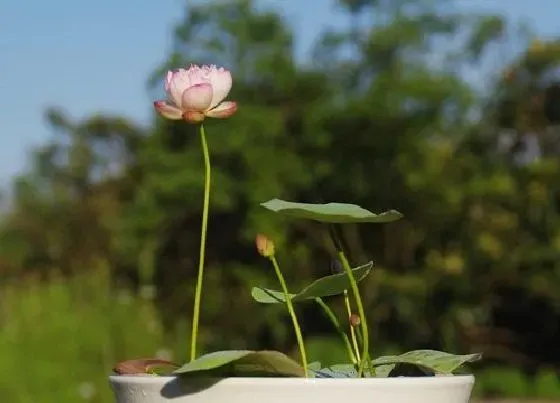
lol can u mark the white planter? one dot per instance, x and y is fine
(151, 389)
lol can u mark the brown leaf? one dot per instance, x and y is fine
(142, 366)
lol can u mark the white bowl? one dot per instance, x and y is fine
(154, 389)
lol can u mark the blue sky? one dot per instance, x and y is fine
(95, 56)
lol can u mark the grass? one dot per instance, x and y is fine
(59, 340)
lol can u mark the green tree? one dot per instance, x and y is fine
(382, 116)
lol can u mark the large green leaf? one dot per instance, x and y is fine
(437, 361)
(243, 362)
(337, 213)
(324, 287)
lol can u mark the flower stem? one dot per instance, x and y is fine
(356, 291)
(198, 290)
(359, 336)
(360, 341)
(352, 330)
(292, 314)
(339, 328)
(361, 312)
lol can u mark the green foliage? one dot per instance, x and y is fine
(488, 27)
(382, 118)
(274, 363)
(67, 334)
(546, 385)
(504, 382)
(499, 381)
(327, 286)
(413, 363)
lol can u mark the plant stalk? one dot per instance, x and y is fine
(358, 299)
(292, 314)
(203, 231)
(352, 330)
(360, 341)
(361, 312)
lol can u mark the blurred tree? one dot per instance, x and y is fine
(64, 208)
(381, 116)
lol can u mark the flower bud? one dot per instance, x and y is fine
(355, 320)
(265, 246)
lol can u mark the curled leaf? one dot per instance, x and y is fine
(243, 363)
(437, 361)
(334, 213)
(145, 366)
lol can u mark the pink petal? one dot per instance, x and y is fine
(197, 97)
(176, 84)
(193, 116)
(224, 110)
(198, 74)
(221, 84)
(168, 111)
(168, 79)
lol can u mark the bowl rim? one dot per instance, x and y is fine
(277, 381)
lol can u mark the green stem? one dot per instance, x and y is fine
(292, 314)
(198, 290)
(334, 233)
(360, 341)
(361, 312)
(359, 336)
(352, 330)
(330, 314)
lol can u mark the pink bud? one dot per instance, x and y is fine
(264, 245)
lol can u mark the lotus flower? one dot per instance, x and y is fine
(197, 92)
